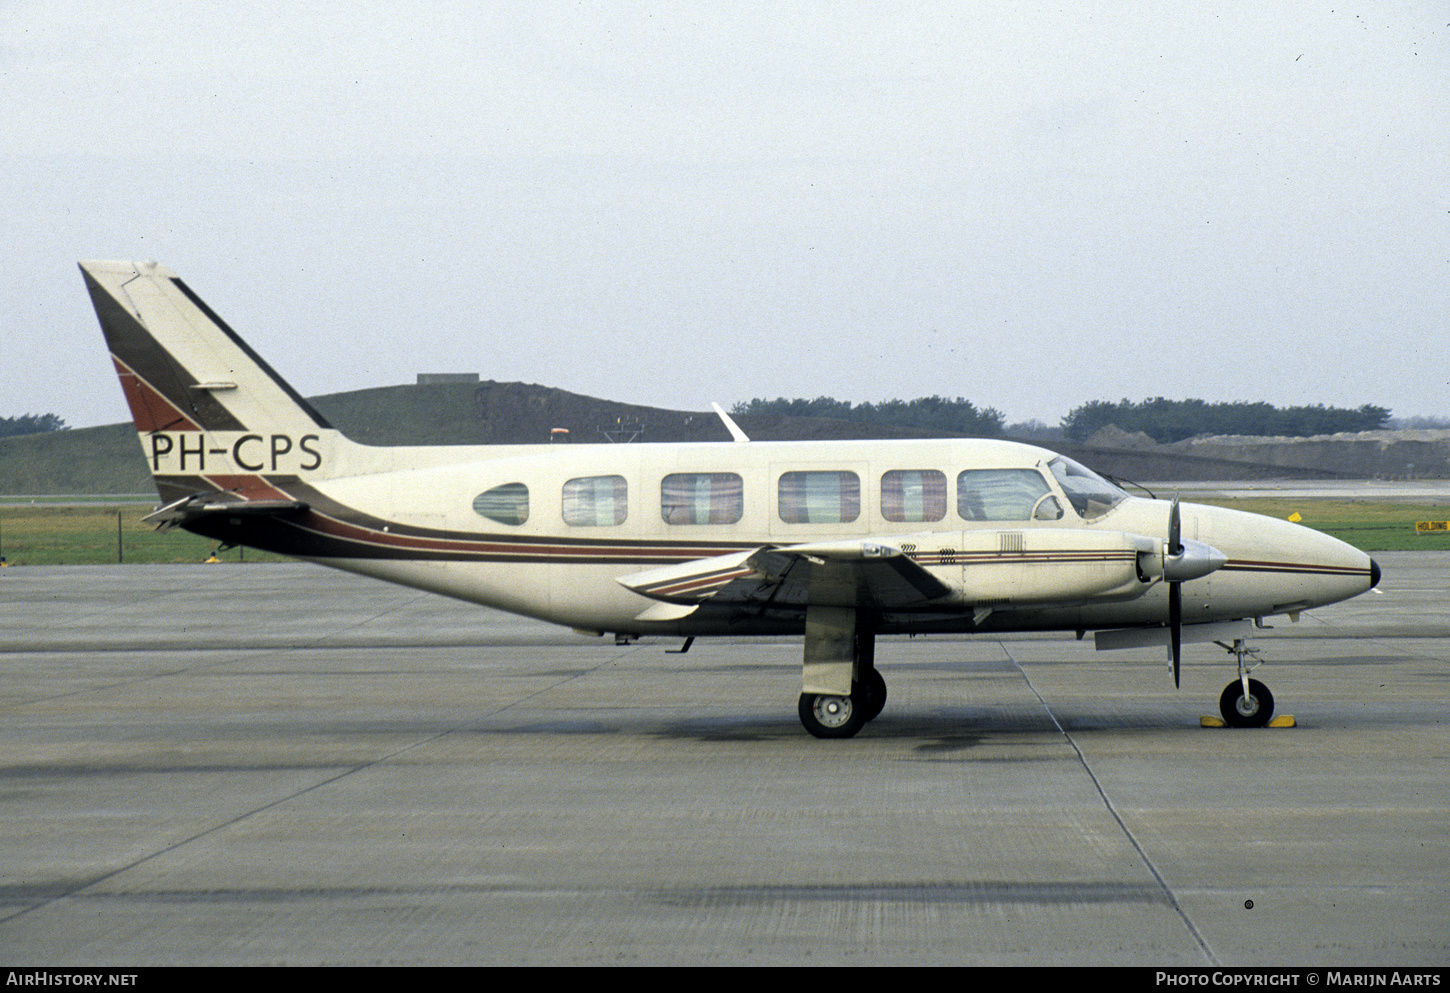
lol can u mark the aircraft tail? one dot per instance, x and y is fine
(213, 417)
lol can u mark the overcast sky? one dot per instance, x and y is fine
(1029, 205)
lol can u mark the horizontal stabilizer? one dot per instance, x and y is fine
(198, 505)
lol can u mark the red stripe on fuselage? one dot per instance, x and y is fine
(1309, 568)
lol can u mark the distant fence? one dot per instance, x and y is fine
(98, 534)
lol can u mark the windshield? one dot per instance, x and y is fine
(1091, 495)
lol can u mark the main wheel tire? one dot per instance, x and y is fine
(872, 691)
(1252, 711)
(827, 716)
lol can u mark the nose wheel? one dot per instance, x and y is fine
(1246, 709)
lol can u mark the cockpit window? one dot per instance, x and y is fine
(1091, 495)
(1001, 494)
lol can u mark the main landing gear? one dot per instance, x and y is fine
(1245, 703)
(840, 687)
(828, 716)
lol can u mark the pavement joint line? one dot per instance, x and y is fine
(1108, 803)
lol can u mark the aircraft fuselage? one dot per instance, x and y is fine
(419, 525)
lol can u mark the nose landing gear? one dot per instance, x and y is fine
(1245, 703)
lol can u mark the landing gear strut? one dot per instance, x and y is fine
(1245, 703)
(838, 655)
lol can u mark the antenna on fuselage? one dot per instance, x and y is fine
(730, 425)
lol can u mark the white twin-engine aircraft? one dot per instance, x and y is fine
(840, 541)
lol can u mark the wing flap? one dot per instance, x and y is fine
(842, 574)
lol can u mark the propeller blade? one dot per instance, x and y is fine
(1175, 625)
(1175, 550)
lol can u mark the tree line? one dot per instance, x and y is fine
(933, 413)
(30, 424)
(1167, 421)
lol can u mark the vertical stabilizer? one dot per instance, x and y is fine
(212, 415)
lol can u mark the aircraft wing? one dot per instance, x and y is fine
(951, 571)
(862, 574)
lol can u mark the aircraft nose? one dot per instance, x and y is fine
(1287, 563)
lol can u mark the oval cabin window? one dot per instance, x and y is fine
(507, 504)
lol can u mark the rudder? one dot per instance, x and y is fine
(212, 415)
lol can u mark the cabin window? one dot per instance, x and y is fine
(1004, 495)
(596, 500)
(702, 498)
(914, 495)
(820, 497)
(507, 504)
